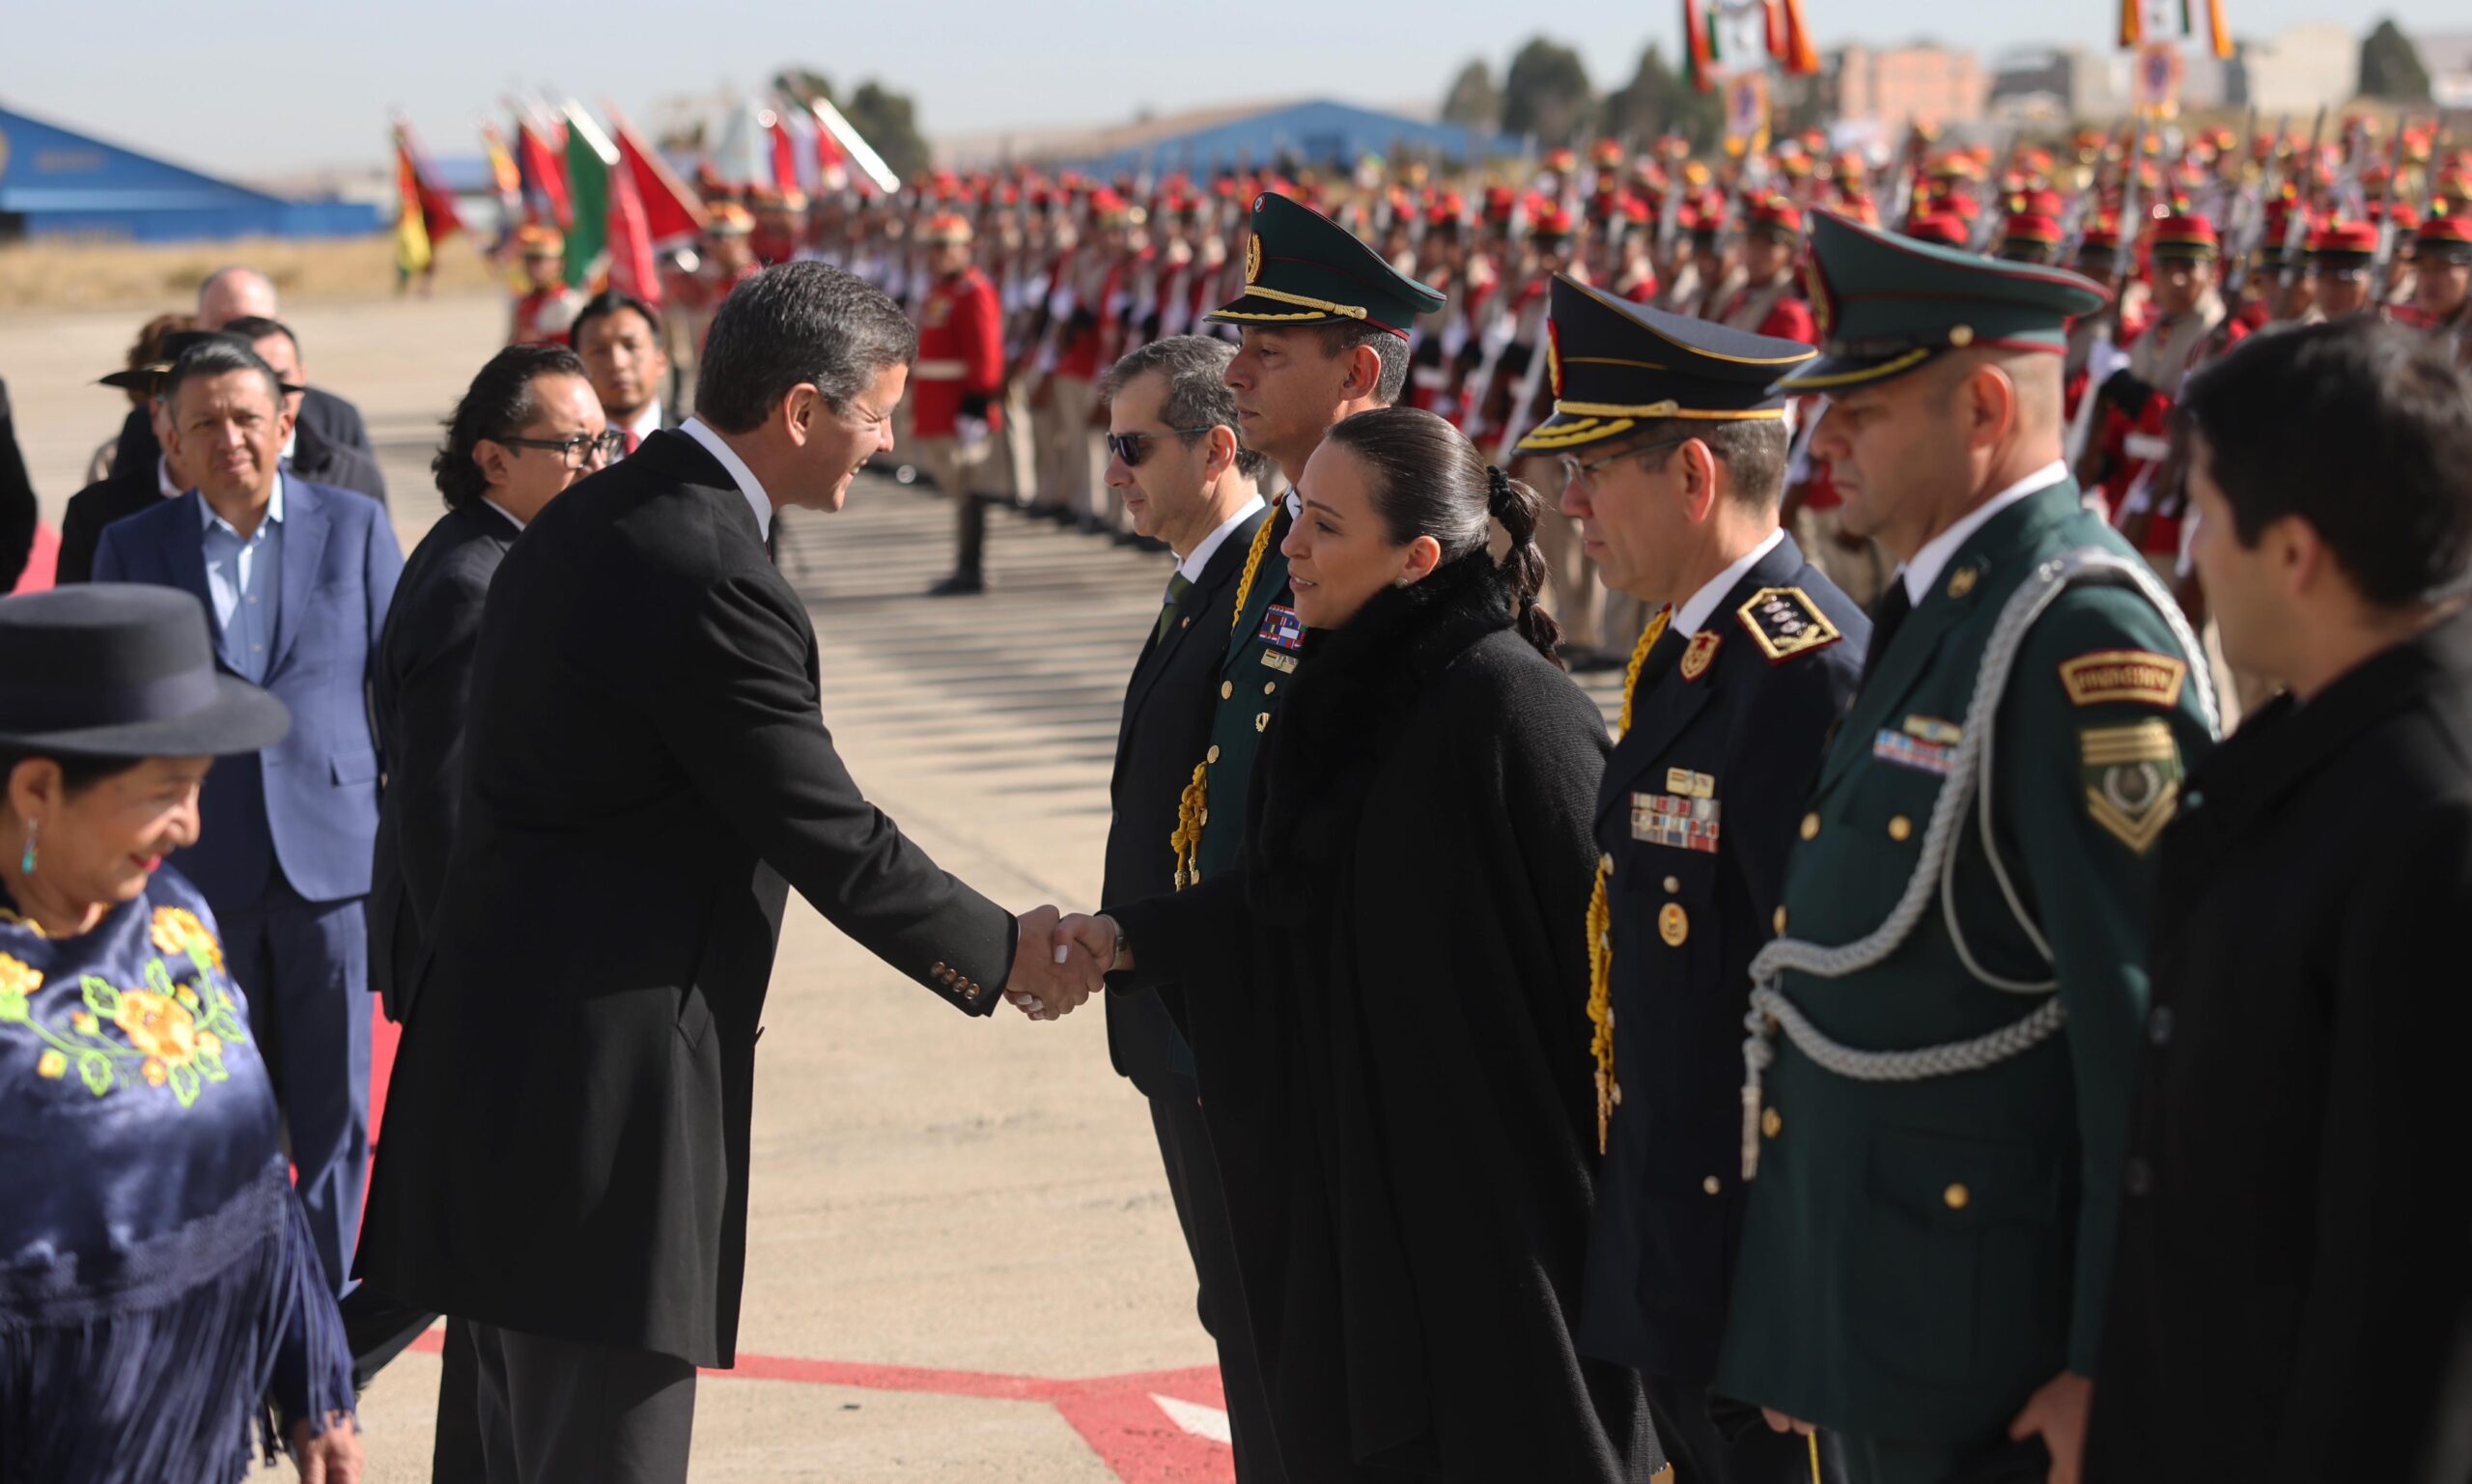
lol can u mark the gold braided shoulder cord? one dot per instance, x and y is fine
(1600, 914)
(1193, 811)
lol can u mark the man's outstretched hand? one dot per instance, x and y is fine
(1079, 939)
(1050, 978)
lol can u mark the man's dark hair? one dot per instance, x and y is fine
(1752, 452)
(2356, 427)
(1340, 336)
(501, 399)
(798, 322)
(209, 358)
(1194, 369)
(607, 302)
(256, 328)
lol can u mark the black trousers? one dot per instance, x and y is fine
(561, 1411)
(1700, 1454)
(1201, 1209)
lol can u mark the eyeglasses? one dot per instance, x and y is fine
(1583, 475)
(584, 451)
(1133, 447)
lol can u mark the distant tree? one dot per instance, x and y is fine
(1546, 92)
(2390, 66)
(1656, 101)
(1473, 101)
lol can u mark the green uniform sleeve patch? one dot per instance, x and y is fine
(2132, 776)
(1785, 622)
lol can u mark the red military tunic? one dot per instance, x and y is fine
(1772, 308)
(961, 354)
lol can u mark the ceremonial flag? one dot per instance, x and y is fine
(631, 266)
(785, 154)
(673, 214)
(504, 175)
(591, 158)
(1798, 58)
(1699, 50)
(419, 184)
(413, 253)
(544, 175)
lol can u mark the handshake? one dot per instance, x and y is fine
(1059, 960)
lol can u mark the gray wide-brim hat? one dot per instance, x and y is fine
(115, 669)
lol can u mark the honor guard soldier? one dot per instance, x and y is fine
(2343, 258)
(1673, 460)
(1767, 303)
(958, 379)
(1325, 326)
(546, 306)
(1943, 1037)
(2442, 273)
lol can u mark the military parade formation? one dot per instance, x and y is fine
(1986, 1013)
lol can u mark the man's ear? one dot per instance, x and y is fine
(1364, 373)
(798, 412)
(1699, 479)
(1223, 447)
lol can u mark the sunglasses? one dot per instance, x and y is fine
(1133, 447)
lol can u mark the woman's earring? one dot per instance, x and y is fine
(26, 863)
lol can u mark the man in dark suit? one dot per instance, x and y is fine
(2290, 1276)
(619, 338)
(1185, 479)
(528, 428)
(647, 776)
(1752, 655)
(130, 486)
(235, 293)
(297, 578)
(316, 457)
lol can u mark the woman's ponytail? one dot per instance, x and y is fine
(1517, 506)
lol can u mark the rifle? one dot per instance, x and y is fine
(2385, 256)
(2296, 231)
(2081, 430)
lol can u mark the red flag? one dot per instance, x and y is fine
(672, 213)
(631, 267)
(438, 205)
(785, 157)
(544, 167)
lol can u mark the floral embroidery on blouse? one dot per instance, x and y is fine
(171, 1032)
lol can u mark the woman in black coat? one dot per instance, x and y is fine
(1388, 999)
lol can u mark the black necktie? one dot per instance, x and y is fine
(1894, 605)
(1177, 587)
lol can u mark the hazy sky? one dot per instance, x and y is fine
(253, 87)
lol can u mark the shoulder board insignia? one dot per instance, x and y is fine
(1703, 650)
(1785, 622)
(2132, 675)
(2132, 777)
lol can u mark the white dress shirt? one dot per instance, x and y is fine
(1190, 569)
(756, 499)
(1693, 615)
(503, 511)
(1925, 569)
(646, 423)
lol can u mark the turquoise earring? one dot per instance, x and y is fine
(26, 865)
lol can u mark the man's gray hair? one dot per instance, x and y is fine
(217, 359)
(1194, 369)
(799, 323)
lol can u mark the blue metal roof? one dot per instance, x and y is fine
(60, 181)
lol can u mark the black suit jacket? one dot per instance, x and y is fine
(17, 512)
(2289, 1274)
(1738, 739)
(424, 669)
(336, 421)
(318, 458)
(1163, 731)
(565, 1148)
(132, 487)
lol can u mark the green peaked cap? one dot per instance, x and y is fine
(1301, 267)
(1887, 304)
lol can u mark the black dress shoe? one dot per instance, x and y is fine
(960, 584)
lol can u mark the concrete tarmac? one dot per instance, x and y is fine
(963, 1262)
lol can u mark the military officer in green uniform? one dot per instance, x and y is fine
(1325, 336)
(1943, 1034)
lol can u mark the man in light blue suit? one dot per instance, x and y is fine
(296, 578)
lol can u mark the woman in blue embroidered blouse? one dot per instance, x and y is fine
(158, 1290)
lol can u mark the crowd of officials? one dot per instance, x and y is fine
(1982, 1016)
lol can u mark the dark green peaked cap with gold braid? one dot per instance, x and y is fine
(1615, 364)
(1301, 267)
(1887, 304)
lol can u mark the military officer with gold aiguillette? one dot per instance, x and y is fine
(1673, 466)
(1943, 1037)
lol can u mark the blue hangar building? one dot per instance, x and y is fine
(55, 182)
